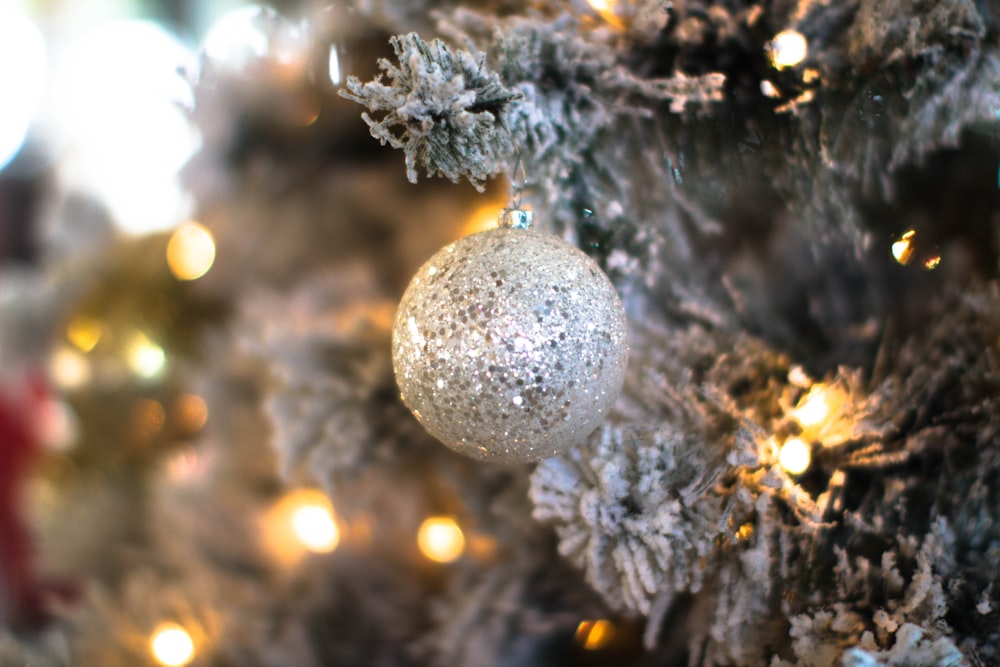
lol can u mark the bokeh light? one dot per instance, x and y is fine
(84, 332)
(814, 407)
(246, 36)
(302, 520)
(171, 645)
(190, 251)
(608, 11)
(315, 527)
(22, 79)
(119, 98)
(146, 359)
(441, 539)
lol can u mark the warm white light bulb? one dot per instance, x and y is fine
(440, 539)
(315, 528)
(171, 645)
(814, 407)
(795, 456)
(788, 49)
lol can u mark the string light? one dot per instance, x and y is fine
(69, 369)
(190, 251)
(607, 10)
(440, 539)
(314, 526)
(903, 248)
(594, 635)
(147, 359)
(794, 456)
(171, 645)
(302, 520)
(787, 49)
(932, 262)
(84, 332)
(814, 407)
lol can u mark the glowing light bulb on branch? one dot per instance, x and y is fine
(22, 79)
(609, 11)
(440, 539)
(814, 407)
(118, 116)
(795, 456)
(302, 520)
(315, 527)
(594, 635)
(787, 49)
(69, 369)
(903, 248)
(146, 359)
(171, 645)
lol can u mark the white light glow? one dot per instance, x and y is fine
(246, 36)
(119, 98)
(22, 79)
(440, 539)
(314, 526)
(814, 407)
(69, 369)
(171, 645)
(788, 49)
(795, 456)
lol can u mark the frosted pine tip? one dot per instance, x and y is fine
(516, 218)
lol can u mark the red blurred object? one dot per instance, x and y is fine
(22, 409)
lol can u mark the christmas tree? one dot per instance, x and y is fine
(205, 457)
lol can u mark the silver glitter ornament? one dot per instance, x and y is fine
(510, 344)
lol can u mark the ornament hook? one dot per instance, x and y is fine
(514, 216)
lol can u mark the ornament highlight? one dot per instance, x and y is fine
(510, 344)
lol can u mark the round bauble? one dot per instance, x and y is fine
(510, 345)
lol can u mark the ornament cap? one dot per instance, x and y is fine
(516, 218)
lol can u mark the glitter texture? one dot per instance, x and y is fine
(510, 345)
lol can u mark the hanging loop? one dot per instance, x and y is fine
(515, 216)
